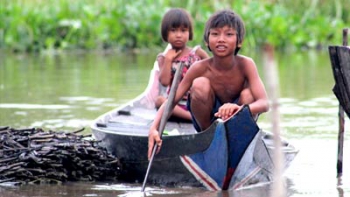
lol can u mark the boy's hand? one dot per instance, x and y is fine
(153, 137)
(227, 110)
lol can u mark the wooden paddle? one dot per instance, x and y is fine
(165, 116)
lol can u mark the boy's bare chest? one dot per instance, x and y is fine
(227, 85)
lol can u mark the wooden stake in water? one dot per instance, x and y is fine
(341, 123)
(271, 73)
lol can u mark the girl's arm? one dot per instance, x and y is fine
(164, 70)
(164, 62)
(202, 53)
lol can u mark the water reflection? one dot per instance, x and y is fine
(134, 190)
(339, 187)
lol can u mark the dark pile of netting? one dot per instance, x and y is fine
(33, 155)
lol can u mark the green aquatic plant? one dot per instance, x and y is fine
(37, 25)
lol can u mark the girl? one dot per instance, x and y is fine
(177, 30)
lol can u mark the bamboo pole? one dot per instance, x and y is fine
(341, 123)
(165, 116)
(271, 72)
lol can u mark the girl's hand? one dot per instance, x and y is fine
(172, 54)
(227, 110)
(153, 138)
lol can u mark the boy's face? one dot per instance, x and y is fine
(223, 41)
(178, 37)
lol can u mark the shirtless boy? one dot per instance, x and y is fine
(219, 86)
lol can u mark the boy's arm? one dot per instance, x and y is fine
(257, 88)
(153, 134)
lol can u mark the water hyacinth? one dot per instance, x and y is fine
(76, 24)
(37, 25)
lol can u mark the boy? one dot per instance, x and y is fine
(219, 86)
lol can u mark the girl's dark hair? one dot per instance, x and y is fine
(223, 18)
(174, 18)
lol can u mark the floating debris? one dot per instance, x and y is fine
(33, 155)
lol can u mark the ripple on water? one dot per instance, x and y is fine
(32, 106)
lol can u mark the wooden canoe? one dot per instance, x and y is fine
(229, 154)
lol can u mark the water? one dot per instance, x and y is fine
(67, 91)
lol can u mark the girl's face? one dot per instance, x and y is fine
(223, 41)
(178, 37)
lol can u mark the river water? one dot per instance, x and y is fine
(66, 91)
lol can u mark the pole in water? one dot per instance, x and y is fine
(165, 116)
(149, 167)
(341, 123)
(271, 72)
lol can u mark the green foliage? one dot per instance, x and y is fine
(36, 25)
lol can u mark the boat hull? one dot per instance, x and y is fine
(167, 168)
(229, 154)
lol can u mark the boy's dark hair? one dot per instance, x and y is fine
(223, 18)
(174, 18)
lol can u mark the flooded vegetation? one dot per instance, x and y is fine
(37, 25)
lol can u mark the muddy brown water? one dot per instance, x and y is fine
(67, 91)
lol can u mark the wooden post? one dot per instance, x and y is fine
(271, 71)
(341, 123)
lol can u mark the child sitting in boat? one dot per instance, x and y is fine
(177, 30)
(219, 85)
